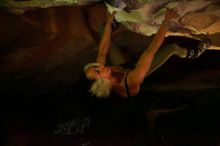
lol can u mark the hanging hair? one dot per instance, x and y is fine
(90, 65)
(101, 88)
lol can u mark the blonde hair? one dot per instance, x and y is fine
(101, 88)
(90, 65)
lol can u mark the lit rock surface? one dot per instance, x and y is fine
(194, 17)
(20, 6)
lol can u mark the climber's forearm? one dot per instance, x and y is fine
(105, 42)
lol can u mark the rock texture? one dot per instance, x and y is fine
(46, 41)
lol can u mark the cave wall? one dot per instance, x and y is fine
(49, 46)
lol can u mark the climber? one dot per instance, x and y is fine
(126, 82)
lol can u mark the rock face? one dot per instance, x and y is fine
(46, 41)
(49, 47)
(20, 6)
(194, 17)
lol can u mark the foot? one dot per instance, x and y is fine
(196, 52)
